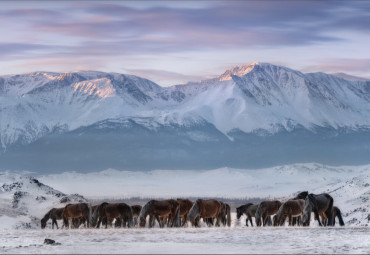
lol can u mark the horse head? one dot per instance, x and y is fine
(43, 223)
(302, 195)
(239, 212)
(142, 222)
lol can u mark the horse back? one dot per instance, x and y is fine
(136, 209)
(210, 208)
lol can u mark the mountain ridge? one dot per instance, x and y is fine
(257, 99)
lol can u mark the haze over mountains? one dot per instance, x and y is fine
(254, 115)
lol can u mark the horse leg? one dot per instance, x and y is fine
(183, 219)
(317, 217)
(250, 220)
(106, 223)
(290, 220)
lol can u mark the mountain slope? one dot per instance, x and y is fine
(258, 104)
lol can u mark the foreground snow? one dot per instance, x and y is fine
(190, 240)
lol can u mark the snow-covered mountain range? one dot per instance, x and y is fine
(94, 120)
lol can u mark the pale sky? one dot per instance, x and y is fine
(172, 42)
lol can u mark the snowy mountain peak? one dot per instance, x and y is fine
(239, 70)
(242, 70)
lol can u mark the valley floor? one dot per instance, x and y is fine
(237, 239)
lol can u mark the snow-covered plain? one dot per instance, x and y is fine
(238, 240)
(348, 185)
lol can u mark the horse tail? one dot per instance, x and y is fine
(330, 211)
(228, 211)
(145, 210)
(339, 215)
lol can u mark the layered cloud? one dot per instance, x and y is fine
(118, 31)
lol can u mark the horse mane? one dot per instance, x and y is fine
(130, 217)
(96, 213)
(258, 213)
(145, 210)
(176, 221)
(312, 199)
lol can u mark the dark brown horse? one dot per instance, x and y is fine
(321, 204)
(249, 210)
(291, 208)
(336, 214)
(54, 214)
(265, 209)
(161, 210)
(185, 206)
(225, 214)
(72, 211)
(136, 209)
(205, 209)
(119, 211)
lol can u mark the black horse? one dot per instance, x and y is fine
(249, 210)
(321, 204)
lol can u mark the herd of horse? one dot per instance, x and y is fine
(177, 213)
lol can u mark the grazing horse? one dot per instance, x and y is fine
(120, 211)
(265, 209)
(76, 211)
(136, 209)
(185, 206)
(321, 204)
(337, 213)
(225, 214)
(160, 210)
(291, 208)
(249, 210)
(204, 209)
(54, 214)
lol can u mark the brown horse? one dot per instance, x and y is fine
(249, 210)
(291, 208)
(54, 214)
(136, 209)
(185, 206)
(108, 211)
(165, 208)
(265, 209)
(72, 211)
(205, 209)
